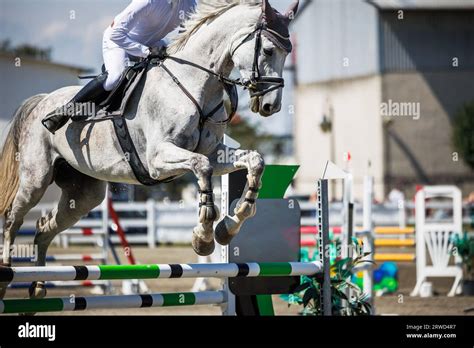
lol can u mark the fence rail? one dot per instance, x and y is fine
(156, 222)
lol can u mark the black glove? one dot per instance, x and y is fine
(157, 52)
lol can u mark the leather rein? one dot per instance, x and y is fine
(253, 84)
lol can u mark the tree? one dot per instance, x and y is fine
(26, 50)
(249, 138)
(463, 133)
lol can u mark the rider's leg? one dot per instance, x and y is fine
(115, 60)
(95, 91)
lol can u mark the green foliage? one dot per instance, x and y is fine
(246, 134)
(462, 134)
(308, 293)
(26, 50)
(465, 249)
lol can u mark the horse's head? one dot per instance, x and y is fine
(260, 57)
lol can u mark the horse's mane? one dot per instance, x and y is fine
(206, 11)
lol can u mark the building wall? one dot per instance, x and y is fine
(32, 77)
(426, 58)
(357, 129)
(420, 151)
(19, 83)
(328, 32)
(427, 41)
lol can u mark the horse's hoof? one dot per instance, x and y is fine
(4, 286)
(202, 247)
(3, 289)
(37, 290)
(225, 230)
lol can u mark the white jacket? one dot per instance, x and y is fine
(144, 23)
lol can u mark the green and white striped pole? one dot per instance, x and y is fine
(63, 304)
(154, 271)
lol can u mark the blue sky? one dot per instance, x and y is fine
(74, 28)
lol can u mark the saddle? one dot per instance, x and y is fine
(115, 103)
(113, 108)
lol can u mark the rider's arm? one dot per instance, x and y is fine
(124, 23)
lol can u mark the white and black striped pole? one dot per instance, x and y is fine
(229, 306)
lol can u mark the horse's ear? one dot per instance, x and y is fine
(268, 11)
(292, 10)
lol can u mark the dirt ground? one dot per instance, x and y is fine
(399, 304)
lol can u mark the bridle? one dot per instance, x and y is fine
(257, 79)
(254, 84)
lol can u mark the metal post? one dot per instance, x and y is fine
(368, 230)
(105, 225)
(229, 307)
(347, 226)
(151, 223)
(347, 212)
(107, 288)
(323, 242)
(402, 218)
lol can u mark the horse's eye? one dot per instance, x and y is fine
(268, 51)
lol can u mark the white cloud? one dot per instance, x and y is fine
(52, 31)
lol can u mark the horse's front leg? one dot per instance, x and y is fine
(229, 226)
(170, 160)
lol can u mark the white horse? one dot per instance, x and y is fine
(167, 126)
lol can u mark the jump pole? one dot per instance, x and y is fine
(14, 274)
(157, 271)
(77, 303)
(62, 258)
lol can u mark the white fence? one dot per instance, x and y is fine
(155, 223)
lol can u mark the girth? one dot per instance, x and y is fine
(126, 143)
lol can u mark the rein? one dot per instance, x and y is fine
(253, 84)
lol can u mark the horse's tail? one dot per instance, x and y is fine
(9, 158)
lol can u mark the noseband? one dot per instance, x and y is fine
(257, 79)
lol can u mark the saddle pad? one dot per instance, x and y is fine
(110, 108)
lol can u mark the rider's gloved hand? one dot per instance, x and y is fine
(158, 52)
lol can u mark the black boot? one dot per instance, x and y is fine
(93, 92)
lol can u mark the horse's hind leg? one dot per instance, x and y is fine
(79, 195)
(31, 188)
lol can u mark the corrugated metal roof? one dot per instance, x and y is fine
(422, 4)
(427, 41)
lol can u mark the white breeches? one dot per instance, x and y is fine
(115, 60)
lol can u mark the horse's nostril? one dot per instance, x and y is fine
(267, 108)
